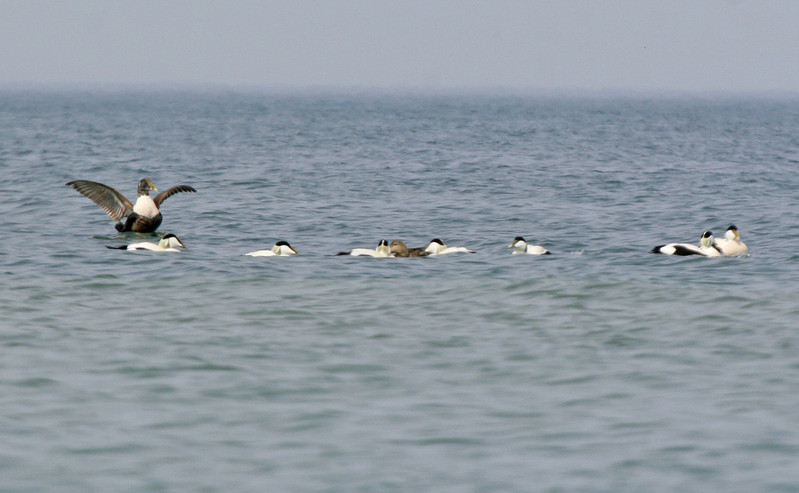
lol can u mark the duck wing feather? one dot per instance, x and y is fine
(170, 192)
(112, 202)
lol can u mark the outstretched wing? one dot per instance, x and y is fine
(109, 200)
(170, 192)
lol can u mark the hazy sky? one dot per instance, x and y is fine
(646, 45)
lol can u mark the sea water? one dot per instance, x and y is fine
(601, 367)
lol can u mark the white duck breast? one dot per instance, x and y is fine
(382, 250)
(145, 206)
(705, 248)
(168, 243)
(731, 244)
(521, 247)
(438, 247)
(281, 249)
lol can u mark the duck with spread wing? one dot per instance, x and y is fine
(142, 217)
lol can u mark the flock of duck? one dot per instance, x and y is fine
(144, 216)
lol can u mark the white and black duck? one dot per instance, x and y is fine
(168, 243)
(438, 247)
(382, 250)
(281, 249)
(705, 248)
(521, 247)
(731, 244)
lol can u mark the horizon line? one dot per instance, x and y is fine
(484, 90)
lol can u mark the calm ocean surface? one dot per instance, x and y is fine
(598, 368)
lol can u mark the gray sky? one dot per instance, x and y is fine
(673, 45)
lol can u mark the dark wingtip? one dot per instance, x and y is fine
(656, 249)
(123, 247)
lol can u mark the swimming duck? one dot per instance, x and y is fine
(382, 250)
(521, 247)
(281, 249)
(706, 247)
(168, 243)
(731, 244)
(400, 249)
(438, 247)
(142, 217)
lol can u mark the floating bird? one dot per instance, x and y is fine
(731, 244)
(281, 249)
(168, 243)
(142, 217)
(400, 249)
(438, 247)
(382, 250)
(705, 248)
(521, 247)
